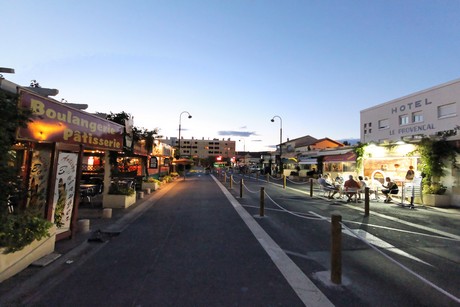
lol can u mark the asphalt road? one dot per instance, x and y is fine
(202, 245)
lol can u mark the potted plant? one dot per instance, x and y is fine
(434, 155)
(119, 197)
(150, 183)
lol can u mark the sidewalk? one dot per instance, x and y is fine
(68, 249)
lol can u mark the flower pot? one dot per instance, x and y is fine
(13, 263)
(150, 185)
(118, 201)
(437, 200)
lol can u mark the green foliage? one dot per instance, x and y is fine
(151, 179)
(360, 151)
(21, 227)
(116, 189)
(434, 154)
(19, 230)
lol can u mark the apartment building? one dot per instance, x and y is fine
(201, 148)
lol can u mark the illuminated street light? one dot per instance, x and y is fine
(180, 118)
(281, 140)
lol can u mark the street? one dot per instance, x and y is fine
(193, 247)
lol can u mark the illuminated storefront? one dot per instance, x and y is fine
(52, 148)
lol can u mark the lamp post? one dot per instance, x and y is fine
(244, 150)
(281, 140)
(180, 118)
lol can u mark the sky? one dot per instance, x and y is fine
(233, 65)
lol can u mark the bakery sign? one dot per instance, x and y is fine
(55, 122)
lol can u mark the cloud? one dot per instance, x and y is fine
(237, 133)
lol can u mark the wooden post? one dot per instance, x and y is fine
(366, 201)
(336, 249)
(241, 188)
(262, 202)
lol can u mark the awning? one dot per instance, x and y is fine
(347, 157)
(289, 161)
(183, 161)
(308, 161)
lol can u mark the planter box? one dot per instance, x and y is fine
(437, 200)
(13, 263)
(150, 185)
(118, 201)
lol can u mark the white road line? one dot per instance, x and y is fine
(395, 219)
(305, 289)
(381, 243)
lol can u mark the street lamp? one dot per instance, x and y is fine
(244, 149)
(180, 118)
(281, 140)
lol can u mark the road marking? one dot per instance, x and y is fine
(395, 219)
(381, 243)
(305, 289)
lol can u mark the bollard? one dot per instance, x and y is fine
(241, 188)
(225, 178)
(262, 202)
(311, 187)
(231, 181)
(366, 201)
(83, 225)
(140, 195)
(336, 249)
(257, 176)
(107, 213)
(284, 181)
(268, 177)
(147, 191)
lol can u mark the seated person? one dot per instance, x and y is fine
(362, 186)
(389, 188)
(351, 184)
(327, 185)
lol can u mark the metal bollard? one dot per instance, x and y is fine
(311, 187)
(284, 181)
(231, 181)
(241, 188)
(366, 201)
(268, 177)
(336, 249)
(262, 202)
(225, 177)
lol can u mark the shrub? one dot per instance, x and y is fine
(116, 189)
(19, 230)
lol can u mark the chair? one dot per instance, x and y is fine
(413, 190)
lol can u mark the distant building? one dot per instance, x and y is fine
(202, 149)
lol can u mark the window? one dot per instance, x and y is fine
(365, 131)
(404, 119)
(365, 125)
(370, 130)
(384, 124)
(370, 124)
(447, 110)
(417, 117)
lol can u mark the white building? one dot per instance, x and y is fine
(424, 113)
(196, 148)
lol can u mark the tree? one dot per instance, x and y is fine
(19, 226)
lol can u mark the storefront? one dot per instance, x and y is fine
(339, 162)
(55, 149)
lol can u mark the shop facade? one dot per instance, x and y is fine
(55, 149)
